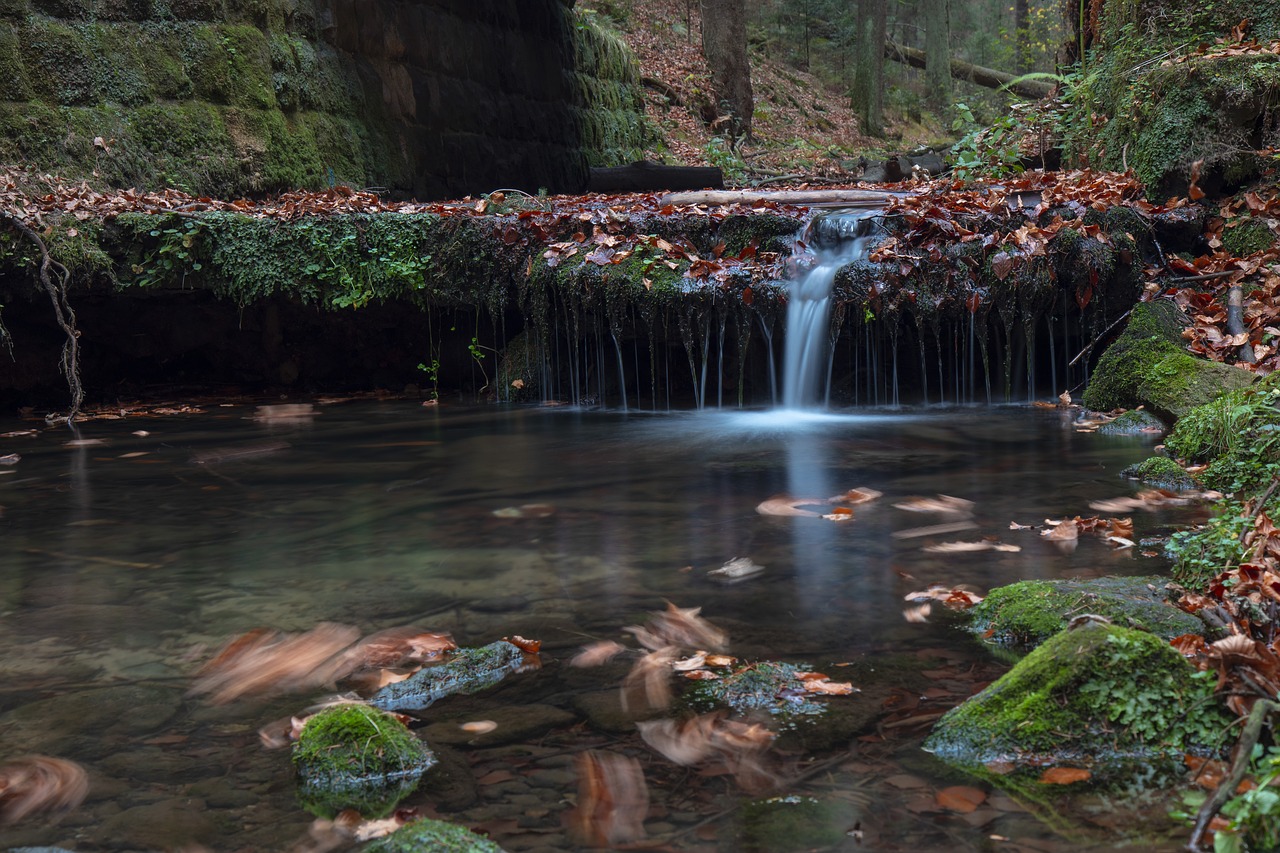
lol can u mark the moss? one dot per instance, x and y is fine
(1025, 614)
(1237, 434)
(763, 686)
(768, 231)
(15, 10)
(14, 85)
(1244, 238)
(468, 671)
(64, 59)
(433, 835)
(1147, 366)
(792, 823)
(1161, 472)
(1099, 692)
(610, 105)
(1133, 422)
(354, 756)
(230, 64)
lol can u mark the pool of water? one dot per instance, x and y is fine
(131, 555)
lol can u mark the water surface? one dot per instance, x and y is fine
(130, 558)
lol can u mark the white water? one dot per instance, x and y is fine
(807, 356)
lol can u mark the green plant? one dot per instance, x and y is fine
(1237, 434)
(985, 152)
(1202, 553)
(1255, 814)
(177, 253)
(722, 153)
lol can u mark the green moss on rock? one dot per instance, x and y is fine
(1098, 692)
(769, 232)
(1027, 613)
(1244, 238)
(793, 823)
(1237, 434)
(433, 836)
(1147, 366)
(1133, 422)
(1161, 472)
(354, 756)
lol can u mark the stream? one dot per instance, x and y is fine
(134, 554)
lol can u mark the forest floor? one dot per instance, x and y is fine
(801, 128)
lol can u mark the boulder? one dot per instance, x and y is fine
(1096, 693)
(433, 836)
(1023, 615)
(354, 756)
(469, 671)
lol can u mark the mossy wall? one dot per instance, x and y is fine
(1149, 99)
(235, 97)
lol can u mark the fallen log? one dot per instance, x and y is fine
(962, 70)
(812, 198)
(647, 176)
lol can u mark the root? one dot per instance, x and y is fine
(54, 276)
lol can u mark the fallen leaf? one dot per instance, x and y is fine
(919, 613)
(38, 783)
(960, 798)
(781, 505)
(1064, 775)
(596, 654)
(478, 727)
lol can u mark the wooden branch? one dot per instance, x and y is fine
(843, 198)
(1262, 709)
(1235, 322)
(962, 70)
(665, 89)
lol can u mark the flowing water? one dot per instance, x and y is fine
(130, 558)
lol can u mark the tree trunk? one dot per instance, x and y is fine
(868, 75)
(1021, 36)
(937, 48)
(724, 44)
(961, 70)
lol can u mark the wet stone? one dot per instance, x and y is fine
(165, 825)
(94, 716)
(469, 671)
(515, 724)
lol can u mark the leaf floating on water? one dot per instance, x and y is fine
(268, 662)
(478, 727)
(781, 505)
(736, 569)
(934, 529)
(38, 783)
(944, 504)
(613, 799)
(400, 647)
(958, 547)
(829, 688)
(1061, 530)
(680, 627)
(648, 685)
(695, 661)
(1120, 542)
(856, 496)
(1064, 775)
(919, 613)
(1013, 525)
(526, 511)
(10, 459)
(285, 414)
(597, 654)
(840, 513)
(530, 647)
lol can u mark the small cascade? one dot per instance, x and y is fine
(838, 238)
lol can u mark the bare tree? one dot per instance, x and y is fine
(724, 43)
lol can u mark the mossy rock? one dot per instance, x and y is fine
(433, 836)
(1134, 422)
(1147, 366)
(1097, 692)
(1024, 614)
(354, 756)
(1161, 472)
(1236, 434)
(793, 823)
(1244, 238)
(769, 231)
(468, 671)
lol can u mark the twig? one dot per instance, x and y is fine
(62, 311)
(1095, 341)
(1262, 708)
(1235, 322)
(775, 179)
(1262, 502)
(1203, 276)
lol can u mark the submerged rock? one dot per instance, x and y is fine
(469, 671)
(1134, 422)
(794, 823)
(433, 836)
(1097, 693)
(1026, 613)
(354, 756)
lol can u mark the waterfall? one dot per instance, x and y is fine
(838, 238)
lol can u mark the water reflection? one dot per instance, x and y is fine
(130, 562)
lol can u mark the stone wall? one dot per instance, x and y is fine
(232, 97)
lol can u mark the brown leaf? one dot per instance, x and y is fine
(960, 798)
(612, 800)
(38, 783)
(1064, 775)
(596, 654)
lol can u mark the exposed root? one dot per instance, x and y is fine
(1258, 716)
(54, 276)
